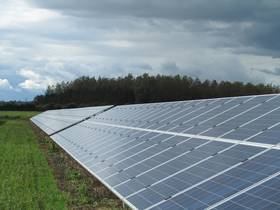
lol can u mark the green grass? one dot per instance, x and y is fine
(17, 115)
(99, 198)
(26, 181)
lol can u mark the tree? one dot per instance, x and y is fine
(91, 91)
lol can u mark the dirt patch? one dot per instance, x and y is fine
(82, 190)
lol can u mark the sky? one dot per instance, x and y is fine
(45, 42)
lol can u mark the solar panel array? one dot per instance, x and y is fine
(202, 154)
(55, 120)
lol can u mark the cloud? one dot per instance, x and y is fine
(274, 72)
(5, 84)
(246, 23)
(44, 42)
(18, 14)
(34, 81)
(170, 68)
(228, 10)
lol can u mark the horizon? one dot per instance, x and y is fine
(45, 42)
(276, 87)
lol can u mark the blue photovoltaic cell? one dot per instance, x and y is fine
(248, 115)
(145, 155)
(270, 136)
(232, 118)
(203, 171)
(230, 182)
(264, 196)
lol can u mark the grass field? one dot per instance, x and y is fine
(16, 115)
(36, 174)
(26, 181)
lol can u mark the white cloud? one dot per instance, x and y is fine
(31, 85)
(34, 81)
(119, 43)
(18, 14)
(53, 41)
(5, 84)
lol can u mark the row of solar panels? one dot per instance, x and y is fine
(202, 154)
(55, 120)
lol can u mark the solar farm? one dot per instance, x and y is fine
(219, 153)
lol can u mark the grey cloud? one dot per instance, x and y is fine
(199, 38)
(143, 66)
(264, 35)
(252, 26)
(227, 69)
(176, 9)
(170, 68)
(275, 72)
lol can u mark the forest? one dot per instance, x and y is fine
(91, 91)
(18, 106)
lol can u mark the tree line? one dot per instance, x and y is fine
(17, 106)
(91, 91)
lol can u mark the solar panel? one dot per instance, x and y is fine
(232, 118)
(200, 154)
(56, 120)
(264, 196)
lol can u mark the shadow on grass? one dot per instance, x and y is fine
(2, 122)
(7, 117)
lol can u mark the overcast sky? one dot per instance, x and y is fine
(44, 42)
